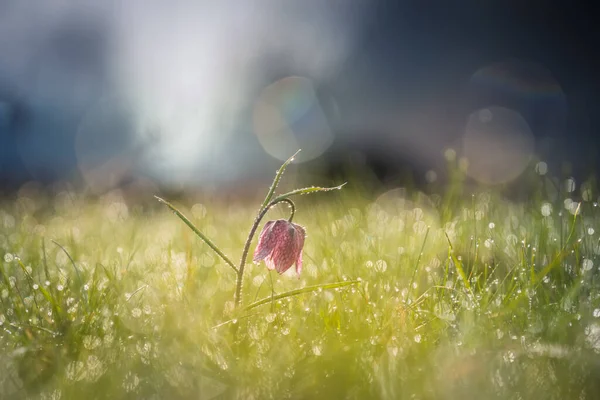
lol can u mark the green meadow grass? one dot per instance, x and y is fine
(461, 294)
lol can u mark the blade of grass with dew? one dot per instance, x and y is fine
(307, 289)
(204, 238)
(308, 190)
(275, 183)
(458, 264)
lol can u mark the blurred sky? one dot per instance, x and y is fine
(198, 92)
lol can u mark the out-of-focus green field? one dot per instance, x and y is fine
(135, 306)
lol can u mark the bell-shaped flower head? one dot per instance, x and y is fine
(280, 245)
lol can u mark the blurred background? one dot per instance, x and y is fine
(195, 94)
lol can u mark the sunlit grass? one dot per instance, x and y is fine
(461, 295)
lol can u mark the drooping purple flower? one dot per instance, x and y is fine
(280, 245)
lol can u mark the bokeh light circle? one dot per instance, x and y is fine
(289, 115)
(526, 87)
(498, 144)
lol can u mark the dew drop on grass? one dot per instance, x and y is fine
(91, 342)
(75, 371)
(597, 313)
(8, 257)
(509, 357)
(131, 382)
(541, 168)
(136, 312)
(570, 185)
(587, 264)
(60, 288)
(590, 231)
(546, 209)
(417, 338)
(430, 176)
(450, 154)
(380, 266)
(317, 350)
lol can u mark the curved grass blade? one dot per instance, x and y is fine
(71, 259)
(308, 190)
(458, 264)
(296, 292)
(197, 232)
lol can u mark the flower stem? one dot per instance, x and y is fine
(259, 217)
(278, 176)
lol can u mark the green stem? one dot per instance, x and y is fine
(259, 217)
(276, 180)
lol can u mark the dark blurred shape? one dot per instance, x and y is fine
(215, 93)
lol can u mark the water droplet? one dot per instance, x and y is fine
(546, 209)
(541, 168)
(570, 185)
(417, 338)
(380, 266)
(316, 350)
(450, 154)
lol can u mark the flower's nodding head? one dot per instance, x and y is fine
(280, 245)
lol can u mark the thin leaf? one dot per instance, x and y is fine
(278, 176)
(562, 253)
(197, 232)
(458, 265)
(308, 190)
(296, 292)
(71, 259)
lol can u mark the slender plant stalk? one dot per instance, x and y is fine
(412, 279)
(278, 176)
(259, 217)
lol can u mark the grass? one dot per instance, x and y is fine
(459, 295)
